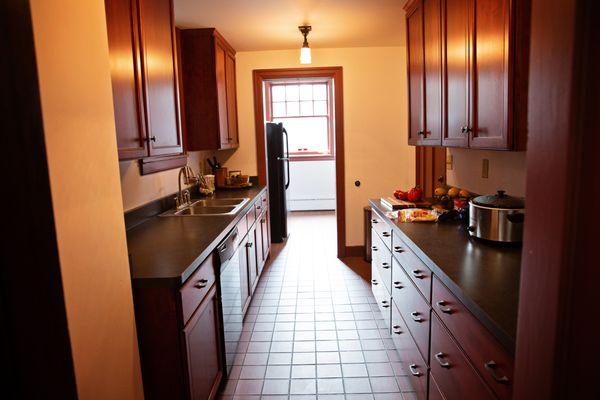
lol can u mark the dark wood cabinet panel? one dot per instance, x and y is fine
(457, 62)
(434, 391)
(245, 289)
(491, 75)
(251, 257)
(197, 286)
(416, 270)
(159, 68)
(208, 90)
(381, 259)
(266, 236)
(432, 41)
(451, 369)
(230, 84)
(414, 32)
(494, 364)
(203, 350)
(123, 39)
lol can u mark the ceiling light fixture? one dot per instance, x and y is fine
(305, 57)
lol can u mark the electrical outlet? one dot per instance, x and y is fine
(449, 162)
(485, 168)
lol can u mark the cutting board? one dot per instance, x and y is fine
(394, 204)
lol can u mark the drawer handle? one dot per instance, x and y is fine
(397, 330)
(442, 306)
(491, 366)
(413, 370)
(386, 234)
(398, 249)
(201, 283)
(384, 304)
(258, 207)
(417, 273)
(385, 265)
(374, 282)
(440, 359)
(416, 316)
(398, 285)
(374, 248)
(249, 244)
(374, 221)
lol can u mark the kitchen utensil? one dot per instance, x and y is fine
(497, 217)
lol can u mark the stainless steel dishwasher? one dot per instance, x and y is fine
(231, 298)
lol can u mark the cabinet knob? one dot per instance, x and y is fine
(413, 370)
(374, 221)
(249, 244)
(152, 138)
(374, 248)
(440, 359)
(385, 265)
(442, 306)
(397, 329)
(374, 282)
(417, 273)
(386, 234)
(415, 315)
(201, 283)
(420, 133)
(384, 304)
(492, 366)
(398, 249)
(398, 285)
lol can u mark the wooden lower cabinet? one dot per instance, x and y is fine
(451, 369)
(434, 390)
(203, 350)
(250, 245)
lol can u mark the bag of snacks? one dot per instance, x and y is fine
(417, 215)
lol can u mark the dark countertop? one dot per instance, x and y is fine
(167, 250)
(485, 277)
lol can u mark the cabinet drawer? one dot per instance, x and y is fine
(434, 390)
(414, 267)
(413, 308)
(381, 258)
(489, 358)
(382, 228)
(414, 365)
(264, 199)
(197, 286)
(382, 297)
(451, 370)
(259, 206)
(242, 226)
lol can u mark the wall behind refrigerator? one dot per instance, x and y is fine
(312, 185)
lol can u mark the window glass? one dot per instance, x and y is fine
(320, 92)
(278, 109)
(307, 134)
(320, 108)
(306, 92)
(293, 108)
(306, 108)
(278, 93)
(292, 93)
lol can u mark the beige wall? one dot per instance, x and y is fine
(73, 66)
(374, 120)
(506, 171)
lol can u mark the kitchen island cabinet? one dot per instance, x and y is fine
(145, 93)
(454, 306)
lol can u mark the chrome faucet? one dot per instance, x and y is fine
(183, 198)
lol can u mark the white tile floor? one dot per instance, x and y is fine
(313, 328)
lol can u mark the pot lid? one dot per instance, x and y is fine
(499, 200)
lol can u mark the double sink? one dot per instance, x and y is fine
(207, 207)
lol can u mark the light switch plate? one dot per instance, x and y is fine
(485, 168)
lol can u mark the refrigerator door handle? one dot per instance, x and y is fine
(287, 158)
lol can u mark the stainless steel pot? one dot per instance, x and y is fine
(497, 218)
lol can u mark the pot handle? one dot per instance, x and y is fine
(516, 218)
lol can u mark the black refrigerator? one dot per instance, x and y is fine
(278, 168)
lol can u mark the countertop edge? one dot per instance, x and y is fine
(177, 281)
(505, 339)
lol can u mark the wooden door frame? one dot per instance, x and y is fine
(558, 328)
(336, 73)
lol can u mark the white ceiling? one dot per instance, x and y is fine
(273, 24)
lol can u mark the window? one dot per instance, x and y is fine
(306, 111)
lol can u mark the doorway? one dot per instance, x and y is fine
(308, 102)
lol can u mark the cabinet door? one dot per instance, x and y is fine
(457, 59)
(159, 61)
(266, 237)
(231, 101)
(432, 31)
(491, 75)
(220, 62)
(251, 260)
(203, 350)
(245, 290)
(414, 31)
(123, 40)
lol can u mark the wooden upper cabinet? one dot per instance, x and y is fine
(208, 90)
(457, 59)
(491, 77)
(159, 68)
(483, 82)
(416, 74)
(145, 91)
(121, 21)
(425, 72)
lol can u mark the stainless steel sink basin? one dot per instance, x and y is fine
(206, 207)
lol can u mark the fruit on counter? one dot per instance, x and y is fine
(415, 194)
(401, 195)
(453, 192)
(440, 191)
(464, 194)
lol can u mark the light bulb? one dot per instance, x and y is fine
(305, 57)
